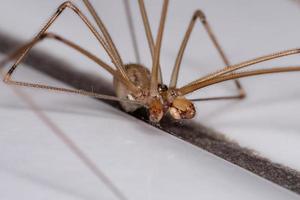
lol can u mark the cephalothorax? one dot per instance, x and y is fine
(134, 84)
(166, 101)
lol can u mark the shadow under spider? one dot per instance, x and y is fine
(187, 130)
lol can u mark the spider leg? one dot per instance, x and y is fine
(229, 72)
(201, 16)
(149, 35)
(243, 75)
(110, 44)
(157, 50)
(23, 51)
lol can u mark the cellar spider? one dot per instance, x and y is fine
(135, 86)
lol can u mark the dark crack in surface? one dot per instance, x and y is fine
(189, 131)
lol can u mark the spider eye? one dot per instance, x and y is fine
(162, 88)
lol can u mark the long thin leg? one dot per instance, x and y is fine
(81, 50)
(13, 55)
(108, 39)
(25, 50)
(61, 8)
(132, 30)
(228, 72)
(19, 51)
(149, 36)
(107, 42)
(243, 75)
(157, 49)
(201, 16)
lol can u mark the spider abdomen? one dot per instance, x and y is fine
(140, 77)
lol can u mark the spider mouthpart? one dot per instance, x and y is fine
(182, 108)
(156, 110)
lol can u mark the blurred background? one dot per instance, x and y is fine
(143, 162)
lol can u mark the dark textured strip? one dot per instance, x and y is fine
(189, 131)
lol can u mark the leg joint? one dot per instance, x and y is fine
(66, 4)
(199, 14)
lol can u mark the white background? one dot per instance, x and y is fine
(143, 162)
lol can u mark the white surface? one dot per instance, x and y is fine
(142, 161)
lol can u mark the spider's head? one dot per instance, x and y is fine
(181, 108)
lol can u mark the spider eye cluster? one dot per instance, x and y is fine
(162, 88)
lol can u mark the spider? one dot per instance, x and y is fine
(136, 86)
